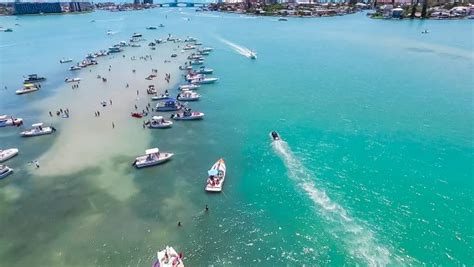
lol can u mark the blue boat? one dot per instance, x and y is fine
(115, 49)
(168, 105)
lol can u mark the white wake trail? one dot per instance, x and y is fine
(359, 241)
(237, 48)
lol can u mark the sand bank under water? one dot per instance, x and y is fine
(84, 140)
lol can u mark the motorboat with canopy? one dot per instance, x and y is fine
(168, 105)
(152, 157)
(158, 122)
(188, 96)
(37, 130)
(187, 115)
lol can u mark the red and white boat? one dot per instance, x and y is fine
(216, 176)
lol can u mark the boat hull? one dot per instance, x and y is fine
(141, 161)
(8, 154)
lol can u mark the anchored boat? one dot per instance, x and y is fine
(27, 88)
(153, 157)
(37, 130)
(216, 176)
(8, 154)
(188, 96)
(71, 80)
(5, 171)
(10, 121)
(158, 122)
(65, 60)
(168, 105)
(34, 78)
(187, 115)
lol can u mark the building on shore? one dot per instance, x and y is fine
(80, 6)
(36, 8)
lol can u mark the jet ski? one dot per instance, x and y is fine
(275, 136)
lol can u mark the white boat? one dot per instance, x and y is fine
(204, 80)
(194, 76)
(190, 86)
(8, 154)
(153, 157)
(168, 258)
(160, 97)
(38, 129)
(65, 60)
(189, 47)
(158, 122)
(75, 67)
(205, 49)
(5, 171)
(190, 39)
(203, 70)
(187, 115)
(27, 88)
(71, 80)
(10, 121)
(216, 177)
(196, 62)
(188, 96)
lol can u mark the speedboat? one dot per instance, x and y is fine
(216, 176)
(190, 86)
(187, 115)
(275, 136)
(282, 19)
(8, 154)
(5, 171)
(158, 122)
(189, 47)
(160, 97)
(75, 67)
(205, 49)
(71, 80)
(168, 105)
(34, 78)
(168, 258)
(27, 88)
(196, 62)
(195, 57)
(188, 96)
(203, 53)
(203, 70)
(253, 55)
(153, 157)
(151, 28)
(204, 80)
(10, 121)
(65, 60)
(185, 67)
(38, 129)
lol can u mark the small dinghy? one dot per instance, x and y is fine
(72, 68)
(153, 157)
(187, 115)
(158, 122)
(10, 121)
(216, 176)
(188, 96)
(190, 86)
(71, 80)
(27, 88)
(275, 136)
(168, 258)
(37, 130)
(8, 154)
(5, 171)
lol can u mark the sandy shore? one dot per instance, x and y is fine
(86, 141)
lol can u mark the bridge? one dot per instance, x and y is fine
(177, 3)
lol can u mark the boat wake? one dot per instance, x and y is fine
(358, 240)
(237, 48)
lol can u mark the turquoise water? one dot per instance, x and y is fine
(376, 167)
